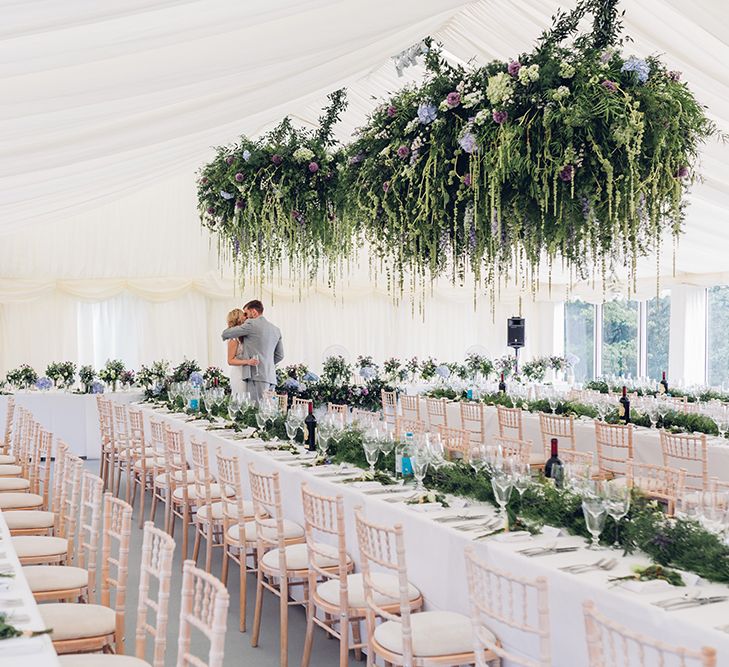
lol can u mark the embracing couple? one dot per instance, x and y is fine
(254, 349)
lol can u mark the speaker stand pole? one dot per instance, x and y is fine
(516, 364)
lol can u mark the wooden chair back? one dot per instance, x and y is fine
(455, 441)
(8, 435)
(283, 403)
(67, 518)
(40, 465)
(158, 549)
(610, 643)
(502, 599)
(233, 508)
(437, 411)
(340, 410)
(268, 510)
(136, 429)
(510, 422)
(473, 420)
(614, 447)
(410, 406)
(59, 465)
(121, 426)
(404, 425)
(205, 608)
(203, 478)
(663, 483)
(557, 426)
(389, 406)
(297, 402)
(513, 448)
(88, 533)
(689, 451)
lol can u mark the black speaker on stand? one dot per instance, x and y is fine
(515, 333)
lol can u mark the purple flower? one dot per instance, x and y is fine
(298, 216)
(467, 180)
(204, 180)
(356, 159)
(229, 160)
(211, 210)
(313, 167)
(403, 151)
(239, 203)
(97, 387)
(368, 372)
(682, 172)
(674, 75)
(276, 159)
(391, 111)
(365, 391)
(386, 186)
(427, 113)
(292, 384)
(609, 85)
(236, 246)
(500, 116)
(567, 173)
(453, 99)
(239, 177)
(468, 142)
(513, 67)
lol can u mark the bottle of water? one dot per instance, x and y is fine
(406, 464)
(195, 399)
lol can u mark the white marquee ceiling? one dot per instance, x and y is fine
(100, 101)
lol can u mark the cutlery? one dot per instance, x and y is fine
(384, 489)
(689, 602)
(602, 564)
(460, 517)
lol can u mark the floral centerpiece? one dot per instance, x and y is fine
(127, 379)
(43, 383)
(112, 372)
(23, 377)
(336, 371)
(478, 364)
(536, 369)
(153, 379)
(86, 375)
(183, 370)
(214, 377)
(394, 371)
(63, 374)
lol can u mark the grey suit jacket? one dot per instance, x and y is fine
(264, 339)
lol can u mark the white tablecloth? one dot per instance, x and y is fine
(436, 563)
(71, 417)
(646, 441)
(21, 652)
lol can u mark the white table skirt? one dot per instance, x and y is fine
(22, 652)
(646, 441)
(71, 417)
(436, 563)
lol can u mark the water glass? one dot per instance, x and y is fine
(617, 505)
(372, 451)
(419, 460)
(595, 513)
(502, 485)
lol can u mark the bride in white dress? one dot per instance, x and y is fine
(235, 354)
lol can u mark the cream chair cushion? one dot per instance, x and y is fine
(13, 501)
(291, 529)
(192, 493)
(9, 470)
(27, 519)
(150, 462)
(77, 621)
(54, 577)
(161, 480)
(34, 546)
(434, 633)
(7, 459)
(14, 484)
(100, 660)
(329, 590)
(248, 511)
(297, 557)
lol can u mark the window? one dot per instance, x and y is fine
(717, 350)
(579, 337)
(620, 338)
(658, 325)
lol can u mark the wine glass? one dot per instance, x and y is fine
(372, 450)
(502, 484)
(233, 407)
(292, 426)
(386, 441)
(521, 478)
(420, 460)
(593, 507)
(617, 504)
(553, 400)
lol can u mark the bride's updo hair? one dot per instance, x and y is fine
(236, 317)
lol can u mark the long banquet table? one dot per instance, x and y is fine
(436, 559)
(21, 652)
(71, 417)
(646, 441)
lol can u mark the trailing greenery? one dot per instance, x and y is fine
(702, 395)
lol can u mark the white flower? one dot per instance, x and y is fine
(482, 116)
(472, 99)
(412, 126)
(303, 154)
(561, 93)
(566, 71)
(528, 74)
(500, 88)
(443, 106)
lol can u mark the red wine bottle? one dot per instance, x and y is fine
(502, 385)
(663, 384)
(310, 422)
(550, 467)
(624, 406)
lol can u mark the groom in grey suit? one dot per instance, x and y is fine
(261, 339)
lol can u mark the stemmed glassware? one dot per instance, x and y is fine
(521, 478)
(553, 400)
(502, 485)
(617, 505)
(594, 510)
(663, 408)
(371, 447)
(234, 407)
(292, 425)
(420, 460)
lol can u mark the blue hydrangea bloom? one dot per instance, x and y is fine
(367, 372)
(43, 383)
(311, 377)
(443, 371)
(292, 384)
(196, 378)
(97, 387)
(468, 142)
(427, 113)
(641, 68)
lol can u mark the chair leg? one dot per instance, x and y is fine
(243, 595)
(153, 509)
(185, 530)
(226, 561)
(357, 638)
(209, 547)
(142, 499)
(343, 639)
(284, 618)
(309, 639)
(257, 612)
(196, 546)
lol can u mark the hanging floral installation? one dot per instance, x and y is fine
(575, 151)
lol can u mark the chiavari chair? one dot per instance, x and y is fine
(283, 403)
(410, 407)
(473, 420)
(614, 447)
(455, 441)
(364, 417)
(297, 402)
(179, 479)
(518, 450)
(145, 463)
(204, 491)
(76, 582)
(404, 425)
(437, 411)
(205, 608)
(239, 529)
(329, 585)
(6, 457)
(85, 628)
(389, 406)
(108, 441)
(663, 483)
(125, 452)
(510, 422)
(339, 410)
(689, 451)
(561, 427)
(159, 472)
(500, 599)
(57, 549)
(281, 554)
(154, 575)
(404, 638)
(610, 644)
